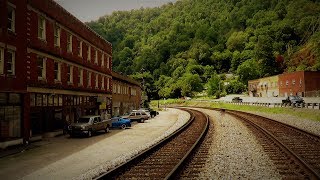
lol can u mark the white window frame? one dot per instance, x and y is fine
(89, 53)
(43, 68)
(70, 74)
(57, 72)
(1, 60)
(102, 60)
(96, 57)
(293, 82)
(102, 82)
(12, 27)
(57, 35)
(97, 81)
(108, 83)
(80, 48)
(12, 63)
(80, 77)
(69, 43)
(108, 64)
(41, 28)
(89, 78)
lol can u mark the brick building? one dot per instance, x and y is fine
(52, 68)
(301, 83)
(126, 94)
(264, 87)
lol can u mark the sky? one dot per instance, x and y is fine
(88, 10)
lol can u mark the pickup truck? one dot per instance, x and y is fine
(295, 100)
(139, 116)
(88, 125)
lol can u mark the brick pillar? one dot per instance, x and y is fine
(26, 117)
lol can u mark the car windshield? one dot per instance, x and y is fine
(295, 98)
(83, 120)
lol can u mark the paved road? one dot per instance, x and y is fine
(65, 158)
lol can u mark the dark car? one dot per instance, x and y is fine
(236, 99)
(296, 100)
(118, 122)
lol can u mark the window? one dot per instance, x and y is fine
(89, 79)
(42, 28)
(102, 60)
(108, 83)
(280, 83)
(89, 53)
(96, 57)
(57, 71)
(80, 77)
(11, 17)
(41, 63)
(102, 83)
(108, 65)
(69, 43)
(1, 59)
(293, 82)
(57, 32)
(11, 62)
(287, 82)
(80, 49)
(97, 80)
(70, 74)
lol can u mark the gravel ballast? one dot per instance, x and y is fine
(110, 152)
(235, 153)
(304, 124)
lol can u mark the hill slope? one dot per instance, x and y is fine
(179, 47)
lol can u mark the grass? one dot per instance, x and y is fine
(312, 114)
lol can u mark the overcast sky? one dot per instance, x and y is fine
(87, 10)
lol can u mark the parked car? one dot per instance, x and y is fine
(153, 113)
(139, 116)
(236, 99)
(296, 100)
(118, 122)
(88, 125)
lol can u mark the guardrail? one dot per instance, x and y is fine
(303, 105)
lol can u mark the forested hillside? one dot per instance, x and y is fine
(183, 48)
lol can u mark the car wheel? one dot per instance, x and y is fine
(123, 126)
(142, 120)
(89, 133)
(107, 129)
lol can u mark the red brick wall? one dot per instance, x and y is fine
(17, 40)
(291, 88)
(312, 80)
(56, 12)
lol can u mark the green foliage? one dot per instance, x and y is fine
(193, 40)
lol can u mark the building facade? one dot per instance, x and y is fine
(126, 94)
(301, 83)
(264, 87)
(53, 69)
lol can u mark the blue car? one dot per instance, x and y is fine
(118, 122)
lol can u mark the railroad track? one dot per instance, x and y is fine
(296, 153)
(167, 158)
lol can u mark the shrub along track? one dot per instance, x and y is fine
(165, 159)
(296, 153)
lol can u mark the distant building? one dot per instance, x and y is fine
(301, 83)
(264, 87)
(53, 69)
(126, 94)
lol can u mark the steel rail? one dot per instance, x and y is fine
(124, 166)
(283, 146)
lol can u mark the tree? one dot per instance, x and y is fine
(248, 70)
